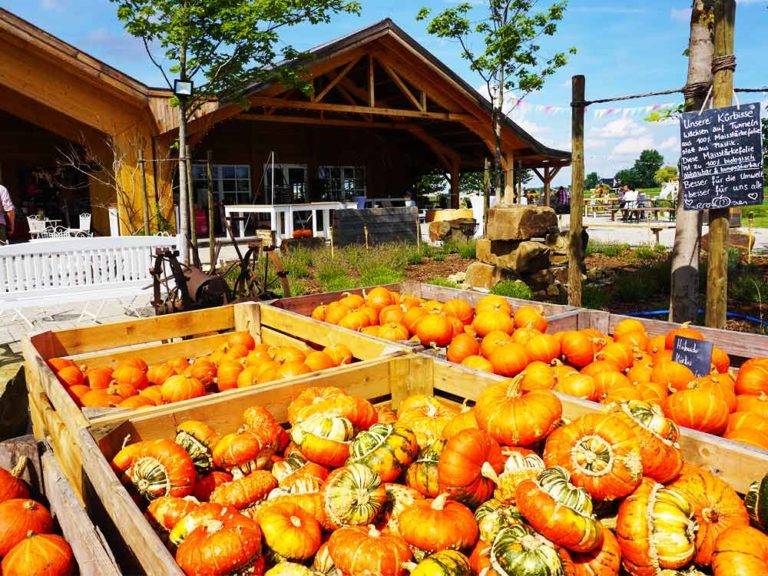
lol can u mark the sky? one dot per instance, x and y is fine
(624, 47)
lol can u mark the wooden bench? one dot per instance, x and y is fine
(655, 229)
(640, 212)
(76, 270)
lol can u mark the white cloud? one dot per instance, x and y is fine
(52, 5)
(595, 143)
(680, 14)
(620, 128)
(670, 143)
(633, 146)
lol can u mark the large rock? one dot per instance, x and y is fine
(515, 256)
(520, 222)
(461, 229)
(480, 275)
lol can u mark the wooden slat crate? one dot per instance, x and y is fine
(387, 380)
(51, 488)
(305, 304)
(56, 417)
(739, 345)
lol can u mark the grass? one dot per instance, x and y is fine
(611, 249)
(513, 289)
(444, 282)
(594, 297)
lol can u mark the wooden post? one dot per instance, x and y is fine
(195, 260)
(455, 178)
(508, 199)
(211, 233)
(486, 194)
(575, 249)
(719, 219)
(144, 196)
(547, 188)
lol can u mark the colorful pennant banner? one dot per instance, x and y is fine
(598, 113)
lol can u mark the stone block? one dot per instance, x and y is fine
(480, 275)
(743, 242)
(483, 250)
(461, 229)
(520, 222)
(517, 257)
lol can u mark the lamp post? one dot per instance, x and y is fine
(183, 90)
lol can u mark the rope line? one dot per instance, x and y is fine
(720, 63)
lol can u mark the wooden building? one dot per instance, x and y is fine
(382, 112)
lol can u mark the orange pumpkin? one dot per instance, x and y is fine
(439, 524)
(393, 331)
(486, 322)
(339, 354)
(289, 531)
(509, 359)
(461, 347)
(159, 373)
(180, 387)
(749, 436)
(19, 517)
(98, 378)
(543, 347)
(699, 409)
(131, 372)
(71, 376)
(531, 317)
(740, 550)
(11, 486)
(460, 309)
(47, 554)
(753, 377)
(493, 303)
(434, 330)
(234, 541)
(477, 362)
(628, 325)
(365, 550)
(577, 348)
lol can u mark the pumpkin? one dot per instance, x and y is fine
(700, 409)
(219, 547)
(324, 439)
(352, 495)
(509, 359)
(227, 374)
(439, 524)
(331, 401)
(740, 550)
(387, 449)
(559, 511)
(673, 374)
(605, 560)
(355, 320)
(685, 331)
(131, 372)
(577, 348)
(752, 378)
(161, 468)
(520, 464)
(165, 512)
(246, 491)
(422, 473)
(57, 364)
(399, 498)
(195, 518)
(660, 453)
(755, 404)
(517, 418)
(289, 569)
(412, 317)
(538, 376)
(198, 439)
(40, 555)
(391, 313)
(461, 347)
(290, 532)
(716, 505)
(748, 436)
(518, 550)
(181, 387)
(579, 385)
(205, 485)
(656, 529)
(100, 399)
(462, 420)
(601, 453)
(241, 453)
(493, 303)
(393, 331)
(97, 378)
(737, 420)
(159, 373)
(493, 515)
(365, 550)
(426, 416)
(19, 517)
(467, 466)
(618, 354)
(434, 330)
(628, 325)
(490, 321)
(477, 362)
(756, 502)
(637, 341)
(459, 308)
(493, 340)
(71, 376)
(543, 347)
(136, 403)
(294, 464)
(11, 486)
(323, 563)
(443, 563)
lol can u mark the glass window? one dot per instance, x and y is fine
(342, 182)
(290, 185)
(231, 183)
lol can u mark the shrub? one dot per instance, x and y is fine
(444, 282)
(748, 287)
(610, 249)
(513, 289)
(467, 250)
(594, 297)
(645, 253)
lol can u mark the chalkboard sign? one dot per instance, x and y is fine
(721, 162)
(696, 354)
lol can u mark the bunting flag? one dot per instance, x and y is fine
(598, 113)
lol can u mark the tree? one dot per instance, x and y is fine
(591, 181)
(646, 166)
(510, 58)
(684, 291)
(221, 45)
(665, 174)
(628, 176)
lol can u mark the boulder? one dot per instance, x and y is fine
(480, 275)
(461, 229)
(520, 222)
(743, 242)
(515, 256)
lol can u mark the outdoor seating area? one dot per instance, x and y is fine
(641, 210)
(41, 228)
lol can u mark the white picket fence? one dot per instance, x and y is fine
(75, 270)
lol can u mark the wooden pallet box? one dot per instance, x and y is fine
(387, 380)
(49, 486)
(57, 419)
(305, 304)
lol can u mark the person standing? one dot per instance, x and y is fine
(7, 215)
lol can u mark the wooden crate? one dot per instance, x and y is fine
(305, 304)
(739, 345)
(49, 486)
(56, 417)
(387, 380)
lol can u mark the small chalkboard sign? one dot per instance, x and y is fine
(696, 354)
(721, 159)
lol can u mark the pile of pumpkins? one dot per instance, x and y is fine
(506, 488)
(28, 546)
(238, 363)
(627, 365)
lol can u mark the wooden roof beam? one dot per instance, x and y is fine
(345, 109)
(448, 157)
(313, 121)
(340, 76)
(403, 88)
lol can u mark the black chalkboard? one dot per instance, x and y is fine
(696, 354)
(721, 162)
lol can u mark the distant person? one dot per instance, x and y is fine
(630, 201)
(562, 200)
(7, 215)
(669, 191)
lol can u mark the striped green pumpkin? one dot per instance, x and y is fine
(422, 473)
(353, 495)
(519, 551)
(555, 481)
(756, 501)
(493, 515)
(443, 563)
(387, 449)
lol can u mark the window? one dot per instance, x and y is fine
(342, 182)
(231, 183)
(290, 183)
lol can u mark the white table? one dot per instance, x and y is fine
(281, 216)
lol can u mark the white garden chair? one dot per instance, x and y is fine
(36, 227)
(84, 229)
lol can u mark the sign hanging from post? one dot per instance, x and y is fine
(696, 354)
(721, 160)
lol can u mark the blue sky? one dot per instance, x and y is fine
(624, 47)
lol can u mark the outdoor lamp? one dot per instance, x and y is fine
(183, 88)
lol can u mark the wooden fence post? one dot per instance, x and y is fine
(575, 248)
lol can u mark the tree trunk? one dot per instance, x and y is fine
(183, 223)
(684, 293)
